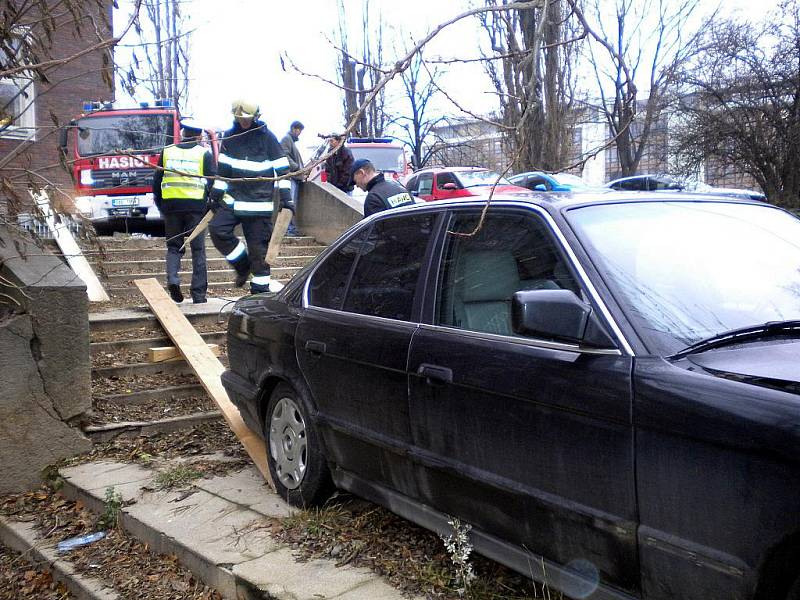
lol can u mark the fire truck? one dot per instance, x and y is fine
(111, 152)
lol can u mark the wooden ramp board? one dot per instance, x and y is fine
(278, 233)
(70, 249)
(206, 366)
(171, 353)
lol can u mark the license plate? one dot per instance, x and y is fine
(124, 202)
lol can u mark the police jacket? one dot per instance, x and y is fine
(253, 152)
(383, 194)
(175, 193)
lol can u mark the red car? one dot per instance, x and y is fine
(444, 183)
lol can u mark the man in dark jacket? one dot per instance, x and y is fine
(382, 194)
(248, 150)
(180, 196)
(339, 166)
(289, 145)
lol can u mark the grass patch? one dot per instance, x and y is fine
(415, 560)
(176, 477)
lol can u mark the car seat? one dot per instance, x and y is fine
(485, 282)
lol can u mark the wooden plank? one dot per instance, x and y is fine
(205, 365)
(171, 353)
(70, 249)
(199, 228)
(278, 232)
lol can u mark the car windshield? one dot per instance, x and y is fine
(384, 159)
(475, 178)
(684, 271)
(571, 180)
(114, 133)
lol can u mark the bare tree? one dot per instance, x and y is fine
(419, 88)
(359, 75)
(160, 60)
(741, 108)
(532, 73)
(641, 43)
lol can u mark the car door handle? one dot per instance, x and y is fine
(435, 375)
(315, 347)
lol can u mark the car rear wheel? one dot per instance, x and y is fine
(296, 462)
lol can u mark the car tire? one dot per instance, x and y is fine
(794, 591)
(294, 450)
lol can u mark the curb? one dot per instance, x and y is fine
(23, 538)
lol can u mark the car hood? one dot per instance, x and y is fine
(773, 364)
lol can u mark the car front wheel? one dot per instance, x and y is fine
(296, 462)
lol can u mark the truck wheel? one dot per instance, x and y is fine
(294, 450)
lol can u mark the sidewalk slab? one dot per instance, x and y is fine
(217, 528)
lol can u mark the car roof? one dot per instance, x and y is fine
(557, 202)
(449, 169)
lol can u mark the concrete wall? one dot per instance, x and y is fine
(45, 377)
(325, 212)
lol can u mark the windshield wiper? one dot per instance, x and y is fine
(734, 335)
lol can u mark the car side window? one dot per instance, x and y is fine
(443, 178)
(411, 186)
(534, 181)
(388, 268)
(479, 274)
(425, 184)
(329, 281)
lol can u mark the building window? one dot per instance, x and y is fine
(17, 95)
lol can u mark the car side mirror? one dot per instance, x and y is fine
(540, 187)
(450, 187)
(557, 314)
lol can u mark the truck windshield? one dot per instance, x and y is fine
(114, 133)
(384, 159)
(685, 271)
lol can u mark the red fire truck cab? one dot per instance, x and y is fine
(112, 153)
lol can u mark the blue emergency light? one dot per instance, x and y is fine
(383, 140)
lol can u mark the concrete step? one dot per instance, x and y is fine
(214, 312)
(23, 538)
(218, 532)
(173, 367)
(97, 255)
(122, 242)
(174, 392)
(143, 344)
(214, 276)
(109, 431)
(155, 265)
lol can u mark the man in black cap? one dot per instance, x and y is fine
(180, 192)
(382, 194)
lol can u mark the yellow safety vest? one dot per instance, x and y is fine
(186, 160)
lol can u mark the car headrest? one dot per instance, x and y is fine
(488, 276)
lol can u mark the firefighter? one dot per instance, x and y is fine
(248, 150)
(181, 196)
(381, 194)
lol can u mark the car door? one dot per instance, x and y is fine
(352, 347)
(529, 440)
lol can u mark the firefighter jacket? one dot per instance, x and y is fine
(382, 194)
(253, 152)
(175, 192)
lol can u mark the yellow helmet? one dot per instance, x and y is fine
(245, 108)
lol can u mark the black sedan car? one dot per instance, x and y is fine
(606, 388)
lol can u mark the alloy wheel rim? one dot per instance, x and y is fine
(288, 443)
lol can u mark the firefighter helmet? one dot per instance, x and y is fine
(245, 108)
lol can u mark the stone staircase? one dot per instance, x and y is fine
(131, 396)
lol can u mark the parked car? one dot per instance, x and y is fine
(658, 183)
(552, 182)
(605, 387)
(444, 183)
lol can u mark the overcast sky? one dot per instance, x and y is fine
(236, 47)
